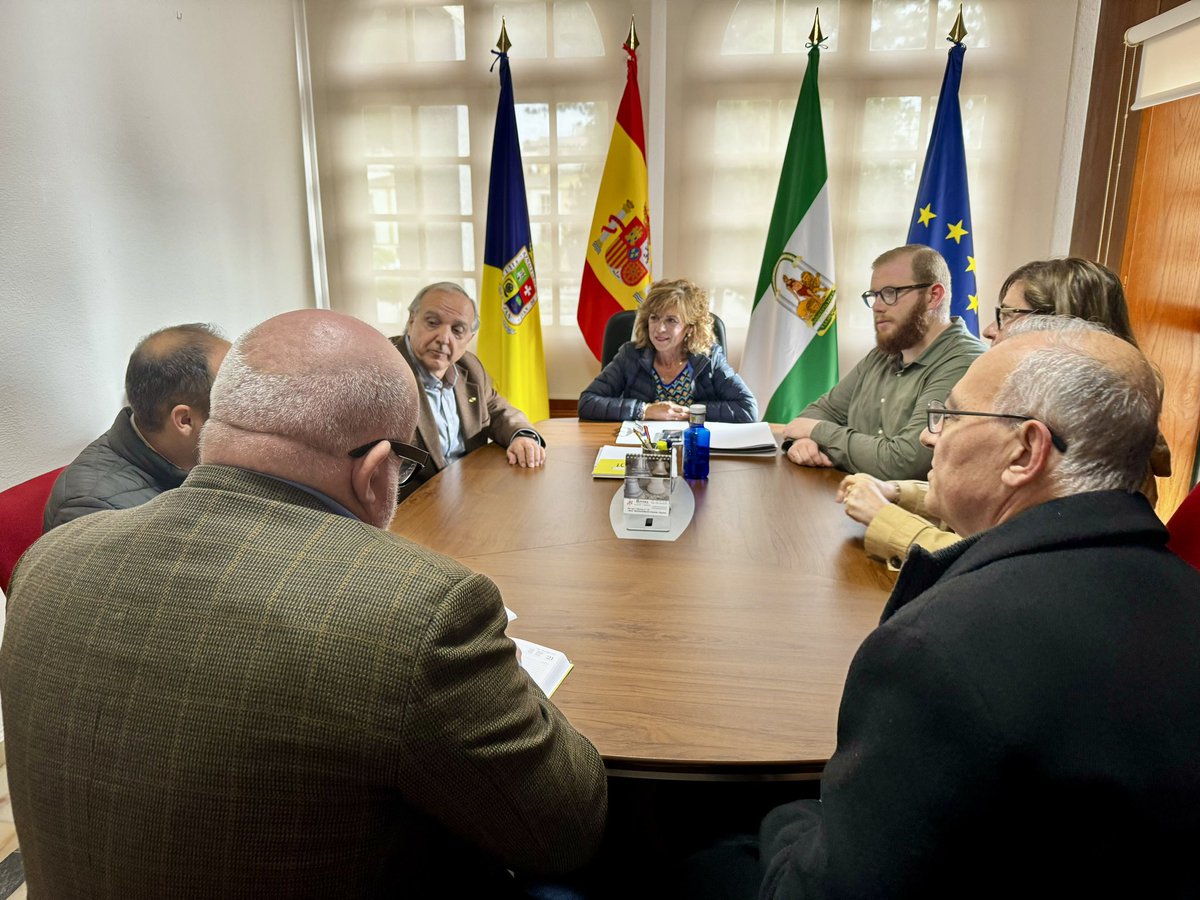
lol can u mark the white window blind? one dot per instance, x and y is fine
(740, 67)
(406, 106)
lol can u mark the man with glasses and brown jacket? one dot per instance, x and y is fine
(461, 410)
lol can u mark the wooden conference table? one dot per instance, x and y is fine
(721, 654)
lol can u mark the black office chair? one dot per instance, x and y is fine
(619, 329)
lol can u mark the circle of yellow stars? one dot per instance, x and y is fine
(955, 232)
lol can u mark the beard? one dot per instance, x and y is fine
(908, 332)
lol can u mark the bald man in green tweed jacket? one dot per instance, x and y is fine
(245, 688)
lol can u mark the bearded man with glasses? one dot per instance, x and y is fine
(894, 511)
(871, 420)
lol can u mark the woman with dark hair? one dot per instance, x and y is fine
(672, 362)
(894, 511)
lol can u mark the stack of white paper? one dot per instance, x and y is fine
(728, 438)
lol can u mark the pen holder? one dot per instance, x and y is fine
(649, 481)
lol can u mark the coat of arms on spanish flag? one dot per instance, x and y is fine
(616, 270)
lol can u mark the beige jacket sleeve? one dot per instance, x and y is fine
(898, 526)
(912, 497)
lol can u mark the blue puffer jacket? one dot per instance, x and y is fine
(628, 381)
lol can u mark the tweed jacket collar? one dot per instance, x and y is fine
(235, 480)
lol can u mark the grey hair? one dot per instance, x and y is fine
(1058, 324)
(448, 286)
(1108, 415)
(326, 410)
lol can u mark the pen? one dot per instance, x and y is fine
(635, 431)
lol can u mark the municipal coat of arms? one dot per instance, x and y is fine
(519, 287)
(805, 292)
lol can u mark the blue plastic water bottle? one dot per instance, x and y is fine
(696, 442)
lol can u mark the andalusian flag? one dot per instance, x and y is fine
(510, 330)
(791, 354)
(616, 270)
(942, 215)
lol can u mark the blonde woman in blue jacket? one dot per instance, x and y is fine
(672, 362)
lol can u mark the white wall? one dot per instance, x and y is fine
(150, 174)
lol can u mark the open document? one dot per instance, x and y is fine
(546, 667)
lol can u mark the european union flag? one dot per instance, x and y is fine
(942, 217)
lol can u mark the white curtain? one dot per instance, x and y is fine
(405, 108)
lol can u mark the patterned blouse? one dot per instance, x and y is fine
(678, 391)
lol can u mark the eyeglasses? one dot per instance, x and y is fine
(411, 458)
(1004, 313)
(937, 414)
(889, 295)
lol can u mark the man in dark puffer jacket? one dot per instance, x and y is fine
(152, 444)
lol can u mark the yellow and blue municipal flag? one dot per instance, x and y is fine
(510, 329)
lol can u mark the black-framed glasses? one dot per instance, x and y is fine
(1005, 313)
(889, 295)
(411, 458)
(937, 414)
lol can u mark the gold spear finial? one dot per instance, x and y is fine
(816, 36)
(632, 41)
(503, 43)
(959, 31)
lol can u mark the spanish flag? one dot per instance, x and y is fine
(616, 271)
(510, 329)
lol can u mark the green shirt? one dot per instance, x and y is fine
(871, 421)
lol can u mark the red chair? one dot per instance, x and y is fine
(21, 508)
(1185, 528)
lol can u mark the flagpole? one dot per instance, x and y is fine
(959, 30)
(941, 216)
(791, 353)
(616, 269)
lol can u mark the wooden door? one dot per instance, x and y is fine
(1161, 273)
